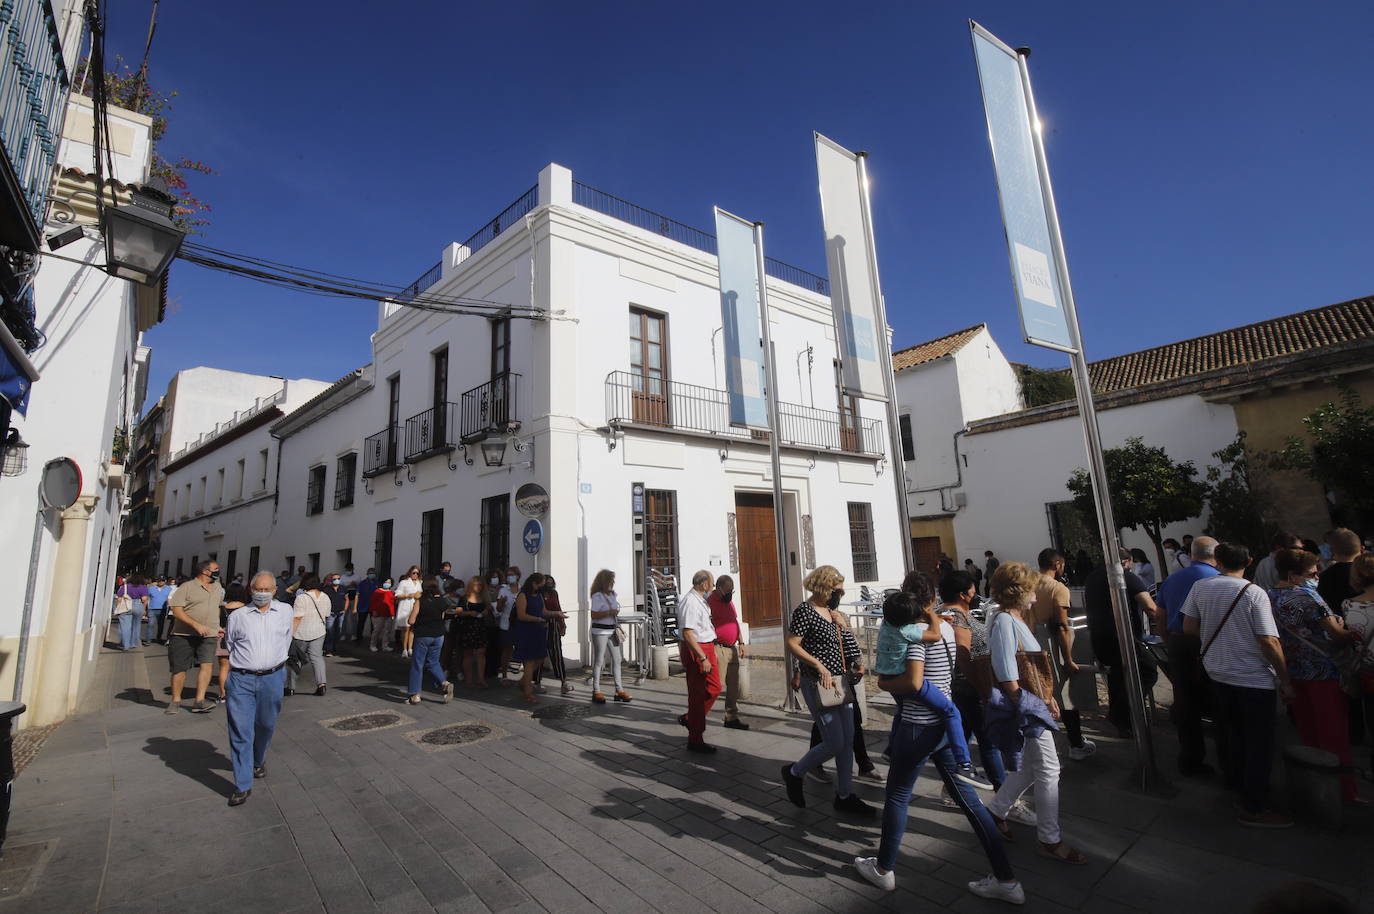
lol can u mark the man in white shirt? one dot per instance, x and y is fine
(697, 648)
(1266, 575)
(258, 637)
(1242, 656)
(505, 605)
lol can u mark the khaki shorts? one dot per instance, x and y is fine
(186, 651)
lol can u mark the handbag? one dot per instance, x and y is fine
(123, 602)
(1352, 664)
(834, 696)
(298, 655)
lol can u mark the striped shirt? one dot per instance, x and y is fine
(938, 657)
(1234, 657)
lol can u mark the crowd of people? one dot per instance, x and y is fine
(999, 672)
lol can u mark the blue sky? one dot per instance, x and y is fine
(1211, 160)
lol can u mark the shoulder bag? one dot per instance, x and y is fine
(299, 655)
(840, 690)
(1224, 619)
(1351, 661)
(123, 602)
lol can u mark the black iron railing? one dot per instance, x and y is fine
(490, 408)
(478, 240)
(673, 404)
(380, 451)
(431, 431)
(647, 219)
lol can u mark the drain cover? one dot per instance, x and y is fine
(364, 723)
(561, 711)
(464, 733)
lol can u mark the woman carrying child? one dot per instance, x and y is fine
(921, 735)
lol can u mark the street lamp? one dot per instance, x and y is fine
(494, 451)
(16, 454)
(140, 239)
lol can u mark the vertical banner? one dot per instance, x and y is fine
(1027, 224)
(739, 314)
(854, 291)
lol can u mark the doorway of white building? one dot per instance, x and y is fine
(759, 600)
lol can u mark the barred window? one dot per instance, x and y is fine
(344, 480)
(861, 541)
(314, 491)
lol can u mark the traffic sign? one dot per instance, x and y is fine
(533, 537)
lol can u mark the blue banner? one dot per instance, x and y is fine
(739, 314)
(1022, 195)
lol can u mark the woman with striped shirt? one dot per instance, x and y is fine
(918, 737)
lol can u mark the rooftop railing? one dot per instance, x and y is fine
(634, 400)
(260, 404)
(659, 224)
(478, 240)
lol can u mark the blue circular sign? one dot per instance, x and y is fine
(533, 537)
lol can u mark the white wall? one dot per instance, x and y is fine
(1013, 474)
(201, 398)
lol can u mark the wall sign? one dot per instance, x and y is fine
(532, 500)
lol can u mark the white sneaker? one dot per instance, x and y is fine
(373, 648)
(1022, 814)
(992, 887)
(1079, 753)
(947, 800)
(868, 868)
(819, 775)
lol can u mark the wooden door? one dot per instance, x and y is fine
(849, 418)
(758, 559)
(927, 549)
(649, 367)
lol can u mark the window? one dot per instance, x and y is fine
(315, 563)
(345, 479)
(253, 566)
(179, 568)
(500, 347)
(439, 437)
(314, 491)
(649, 366)
(861, 542)
(166, 567)
(849, 419)
(660, 531)
(200, 502)
(239, 480)
(262, 471)
(290, 565)
(393, 416)
(494, 539)
(219, 487)
(381, 555)
(431, 540)
(195, 564)
(908, 442)
(231, 565)
(342, 559)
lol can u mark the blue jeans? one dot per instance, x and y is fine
(154, 624)
(426, 657)
(130, 627)
(971, 710)
(912, 746)
(837, 739)
(333, 632)
(252, 704)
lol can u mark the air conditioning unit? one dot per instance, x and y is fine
(114, 475)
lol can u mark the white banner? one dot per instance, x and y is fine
(739, 311)
(854, 291)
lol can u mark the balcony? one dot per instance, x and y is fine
(687, 407)
(380, 452)
(490, 408)
(33, 91)
(430, 432)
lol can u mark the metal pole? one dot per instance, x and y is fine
(789, 700)
(27, 622)
(894, 435)
(1146, 775)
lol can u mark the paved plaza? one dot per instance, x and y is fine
(482, 805)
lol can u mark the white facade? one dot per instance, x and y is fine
(575, 429)
(93, 375)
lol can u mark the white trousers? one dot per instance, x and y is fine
(1039, 766)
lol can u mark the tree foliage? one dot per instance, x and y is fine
(1148, 490)
(129, 90)
(1336, 453)
(1236, 503)
(1040, 386)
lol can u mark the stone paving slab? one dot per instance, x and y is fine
(595, 810)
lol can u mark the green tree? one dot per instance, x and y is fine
(1148, 490)
(1336, 453)
(129, 89)
(1235, 501)
(1040, 386)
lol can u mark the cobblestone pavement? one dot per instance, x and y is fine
(487, 804)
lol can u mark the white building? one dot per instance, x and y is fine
(612, 401)
(93, 379)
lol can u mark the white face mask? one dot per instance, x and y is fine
(261, 599)
(511, 579)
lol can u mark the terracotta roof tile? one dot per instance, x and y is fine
(1291, 334)
(934, 349)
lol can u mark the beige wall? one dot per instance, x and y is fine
(1268, 419)
(943, 527)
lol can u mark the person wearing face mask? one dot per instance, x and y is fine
(367, 586)
(555, 630)
(730, 649)
(338, 605)
(698, 653)
(258, 636)
(491, 621)
(195, 629)
(604, 611)
(381, 607)
(505, 607)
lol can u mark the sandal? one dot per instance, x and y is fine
(413, 700)
(1062, 852)
(1004, 829)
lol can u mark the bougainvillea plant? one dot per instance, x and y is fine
(128, 89)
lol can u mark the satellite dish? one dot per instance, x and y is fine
(60, 484)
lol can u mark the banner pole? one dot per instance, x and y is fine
(789, 700)
(894, 435)
(1146, 775)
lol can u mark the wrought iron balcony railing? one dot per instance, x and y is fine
(381, 451)
(430, 432)
(33, 89)
(633, 400)
(490, 408)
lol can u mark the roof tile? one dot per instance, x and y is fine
(933, 349)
